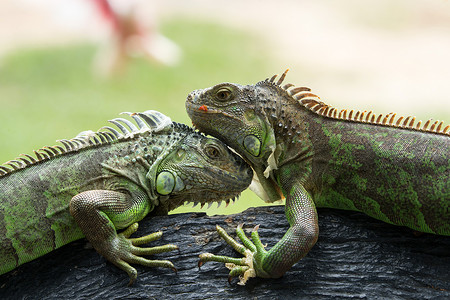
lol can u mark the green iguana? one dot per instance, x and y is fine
(392, 169)
(99, 182)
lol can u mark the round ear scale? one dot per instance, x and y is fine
(252, 144)
(165, 183)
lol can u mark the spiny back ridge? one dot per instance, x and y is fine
(148, 121)
(311, 101)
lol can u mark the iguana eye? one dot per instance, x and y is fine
(224, 94)
(212, 151)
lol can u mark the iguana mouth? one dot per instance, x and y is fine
(201, 112)
(203, 109)
(193, 108)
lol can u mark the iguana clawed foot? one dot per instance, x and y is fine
(124, 251)
(248, 266)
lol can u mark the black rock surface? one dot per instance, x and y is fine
(355, 257)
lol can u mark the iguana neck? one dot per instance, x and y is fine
(290, 123)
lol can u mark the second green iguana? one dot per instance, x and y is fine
(392, 169)
(101, 182)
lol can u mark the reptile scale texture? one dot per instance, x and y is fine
(391, 168)
(100, 182)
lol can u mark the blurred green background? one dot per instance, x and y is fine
(375, 55)
(49, 94)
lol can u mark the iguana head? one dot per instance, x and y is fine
(200, 170)
(238, 116)
(227, 111)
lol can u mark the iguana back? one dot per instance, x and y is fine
(399, 176)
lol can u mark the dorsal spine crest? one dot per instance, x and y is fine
(312, 102)
(148, 121)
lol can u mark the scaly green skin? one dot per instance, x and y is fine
(301, 146)
(105, 181)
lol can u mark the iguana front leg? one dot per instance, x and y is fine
(99, 213)
(295, 244)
